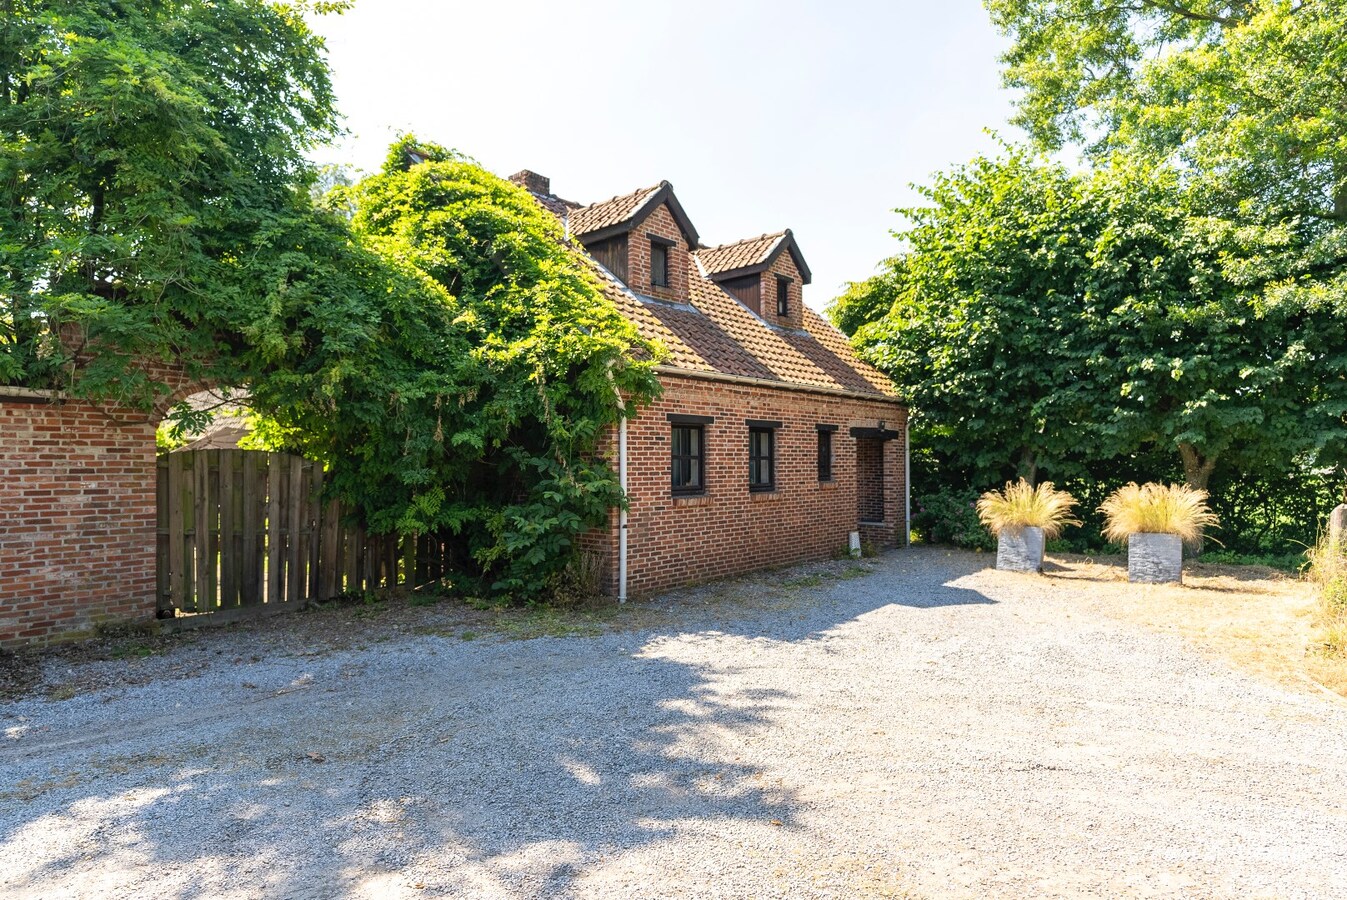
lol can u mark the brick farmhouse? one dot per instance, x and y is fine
(772, 443)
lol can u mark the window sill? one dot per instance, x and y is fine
(691, 500)
(764, 496)
(828, 484)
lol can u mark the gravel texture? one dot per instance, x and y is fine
(934, 728)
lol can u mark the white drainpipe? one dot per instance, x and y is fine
(907, 480)
(622, 513)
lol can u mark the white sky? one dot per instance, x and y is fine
(764, 114)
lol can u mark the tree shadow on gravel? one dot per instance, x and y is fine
(511, 779)
(443, 767)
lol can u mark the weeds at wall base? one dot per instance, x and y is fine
(1328, 570)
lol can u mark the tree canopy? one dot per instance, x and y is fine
(1180, 301)
(146, 148)
(1043, 318)
(1248, 97)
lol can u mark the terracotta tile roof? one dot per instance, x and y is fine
(715, 332)
(613, 211)
(740, 254)
(837, 344)
(752, 255)
(554, 204)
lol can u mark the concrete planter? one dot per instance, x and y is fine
(1154, 558)
(1020, 549)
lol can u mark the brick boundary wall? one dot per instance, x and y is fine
(730, 530)
(77, 512)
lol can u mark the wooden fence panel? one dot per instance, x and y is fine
(239, 528)
(230, 569)
(200, 528)
(250, 557)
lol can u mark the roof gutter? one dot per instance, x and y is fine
(779, 385)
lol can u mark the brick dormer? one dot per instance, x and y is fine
(766, 273)
(644, 238)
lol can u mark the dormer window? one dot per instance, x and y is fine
(659, 263)
(782, 296)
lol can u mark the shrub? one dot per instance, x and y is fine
(1156, 509)
(1019, 504)
(1328, 571)
(1286, 562)
(950, 517)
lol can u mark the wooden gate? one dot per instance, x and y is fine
(240, 528)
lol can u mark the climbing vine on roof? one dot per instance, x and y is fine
(477, 381)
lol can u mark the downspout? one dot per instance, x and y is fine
(622, 511)
(907, 479)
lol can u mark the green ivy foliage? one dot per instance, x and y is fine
(472, 393)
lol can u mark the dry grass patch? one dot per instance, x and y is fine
(1328, 572)
(1261, 620)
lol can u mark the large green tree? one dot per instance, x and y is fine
(1249, 97)
(1041, 319)
(1247, 103)
(145, 149)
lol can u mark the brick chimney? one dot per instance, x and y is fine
(532, 181)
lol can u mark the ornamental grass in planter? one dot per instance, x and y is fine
(1024, 518)
(1155, 521)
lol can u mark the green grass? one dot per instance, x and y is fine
(546, 621)
(1284, 562)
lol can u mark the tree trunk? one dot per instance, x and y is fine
(1028, 466)
(1340, 191)
(1197, 471)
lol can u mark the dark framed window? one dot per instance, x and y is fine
(782, 296)
(825, 453)
(659, 264)
(687, 458)
(761, 459)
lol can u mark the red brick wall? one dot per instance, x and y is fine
(783, 266)
(730, 530)
(77, 518)
(660, 223)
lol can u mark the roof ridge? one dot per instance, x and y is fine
(766, 234)
(644, 190)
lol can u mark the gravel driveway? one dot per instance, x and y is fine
(930, 729)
